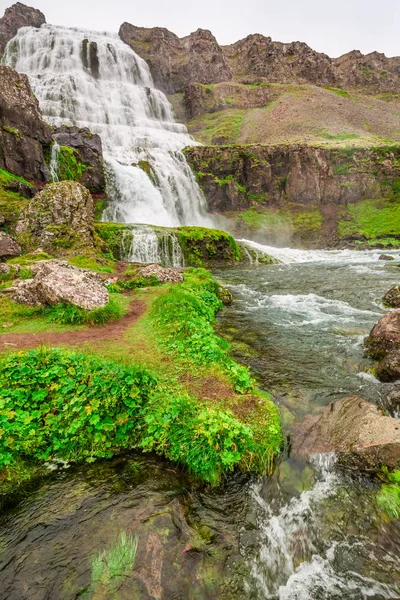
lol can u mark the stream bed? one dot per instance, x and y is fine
(309, 532)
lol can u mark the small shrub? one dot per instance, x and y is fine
(68, 314)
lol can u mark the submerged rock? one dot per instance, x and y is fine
(8, 246)
(163, 274)
(58, 218)
(56, 281)
(386, 257)
(385, 336)
(392, 298)
(355, 429)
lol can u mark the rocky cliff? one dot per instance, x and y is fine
(175, 62)
(18, 15)
(24, 136)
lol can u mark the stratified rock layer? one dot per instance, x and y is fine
(58, 218)
(355, 429)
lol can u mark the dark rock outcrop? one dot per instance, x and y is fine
(8, 246)
(18, 15)
(371, 72)
(58, 218)
(200, 99)
(355, 429)
(176, 62)
(392, 298)
(23, 133)
(389, 368)
(236, 178)
(88, 151)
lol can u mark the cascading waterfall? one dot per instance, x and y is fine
(54, 161)
(145, 244)
(94, 80)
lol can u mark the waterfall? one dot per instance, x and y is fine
(94, 80)
(54, 161)
(144, 244)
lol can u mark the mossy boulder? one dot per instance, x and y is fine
(208, 247)
(58, 219)
(392, 298)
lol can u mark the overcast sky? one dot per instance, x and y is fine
(330, 27)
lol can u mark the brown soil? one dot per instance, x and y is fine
(111, 331)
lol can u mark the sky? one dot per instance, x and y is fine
(331, 27)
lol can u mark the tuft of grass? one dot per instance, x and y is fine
(68, 314)
(111, 567)
(337, 91)
(388, 498)
(93, 263)
(373, 219)
(222, 127)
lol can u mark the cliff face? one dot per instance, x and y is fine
(175, 62)
(23, 134)
(18, 15)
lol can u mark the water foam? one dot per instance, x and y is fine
(94, 80)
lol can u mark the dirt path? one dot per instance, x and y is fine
(111, 331)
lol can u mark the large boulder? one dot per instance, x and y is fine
(18, 15)
(392, 298)
(59, 218)
(23, 133)
(87, 152)
(355, 429)
(8, 246)
(163, 274)
(385, 336)
(56, 281)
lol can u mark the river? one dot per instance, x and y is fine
(309, 532)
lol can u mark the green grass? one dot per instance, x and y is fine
(373, 219)
(222, 127)
(271, 221)
(339, 137)
(110, 568)
(93, 263)
(337, 91)
(388, 498)
(68, 314)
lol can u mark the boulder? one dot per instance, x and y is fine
(88, 151)
(58, 218)
(355, 429)
(386, 257)
(8, 246)
(56, 281)
(23, 133)
(388, 369)
(18, 15)
(392, 298)
(385, 336)
(163, 274)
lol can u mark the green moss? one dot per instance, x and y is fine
(222, 127)
(69, 166)
(337, 91)
(11, 203)
(373, 219)
(201, 246)
(29, 259)
(388, 498)
(13, 131)
(114, 235)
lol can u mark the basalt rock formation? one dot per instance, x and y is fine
(18, 15)
(86, 151)
(23, 133)
(175, 62)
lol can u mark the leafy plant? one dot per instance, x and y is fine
(111, 568)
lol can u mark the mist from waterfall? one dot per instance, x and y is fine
(91, 79)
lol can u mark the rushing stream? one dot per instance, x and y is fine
(309, 532)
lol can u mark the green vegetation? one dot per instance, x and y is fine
(94, 263)
(337, 91)
(69, 165)
(339, 137)
(66, 405)
(201, 246)
(12, 130)
(11, 203)
(111, 568)
(68, 314)
(221, 127)
(374, 220)
(116, 236)
(294, 218)
(388, 499)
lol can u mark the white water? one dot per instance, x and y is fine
(114, 96)
(149, 245)
(54, 161)
(291, 255)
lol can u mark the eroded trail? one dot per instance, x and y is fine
(110, 331)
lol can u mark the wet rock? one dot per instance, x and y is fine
(225, 295)
(56, 281)
(392, 298)
(388, 369)
(88, 151)
(391, 403)
(386, 257)
(355, 429)
(2, 220)
(23, 189)
(23, 133)
(385, 336)
(58, 218)
(163, 274)
(18, 15)
(8, 246)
